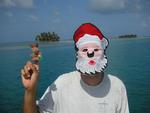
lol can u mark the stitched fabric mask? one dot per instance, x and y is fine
(90, 44)
(91, 59)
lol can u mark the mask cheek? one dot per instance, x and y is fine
(99, 54)
(82, 55)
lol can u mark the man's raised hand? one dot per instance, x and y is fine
(30, 76)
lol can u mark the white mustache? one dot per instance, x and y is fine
(83, 66)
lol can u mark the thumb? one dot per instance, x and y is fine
(35, 69)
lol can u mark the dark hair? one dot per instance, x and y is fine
(34, 45)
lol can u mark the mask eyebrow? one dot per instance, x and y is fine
(96, 49)
(84, 50)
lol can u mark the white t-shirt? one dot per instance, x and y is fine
(69, 94)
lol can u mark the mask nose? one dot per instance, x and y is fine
(90, 55)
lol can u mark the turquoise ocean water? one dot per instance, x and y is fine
(129, 59)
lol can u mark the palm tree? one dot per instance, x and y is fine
(47, 37)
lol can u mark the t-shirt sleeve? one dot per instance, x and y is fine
(46, 102)
(123, 101)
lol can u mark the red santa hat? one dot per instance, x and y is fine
(88, 33)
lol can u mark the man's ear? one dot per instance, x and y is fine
(105, 43)
(75, 47)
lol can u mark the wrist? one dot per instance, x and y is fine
(30, 92)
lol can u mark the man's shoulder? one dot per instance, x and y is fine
(116, 81)
(66, 78)
(68, 75)
(114, 78)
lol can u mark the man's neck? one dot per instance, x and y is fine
(92, 80)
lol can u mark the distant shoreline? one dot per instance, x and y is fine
(66, 41)
(25, 45)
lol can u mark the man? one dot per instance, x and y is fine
(87, 90)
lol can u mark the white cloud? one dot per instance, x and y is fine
(144, 24)
(56, 13)
(138, 7)
(20, 3)
(107, 5)
(34, 18)
(148, 18)
(7, 3)
(9, 14)
(111, 6)
(45, 1)
(25, 3)
(56, 21)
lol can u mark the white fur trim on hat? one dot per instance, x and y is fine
(92, 39)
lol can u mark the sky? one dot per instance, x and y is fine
(22, 20)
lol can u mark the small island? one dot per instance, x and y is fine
(47, 37)
(128, 36)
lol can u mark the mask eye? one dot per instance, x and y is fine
(96, 50)
(84, 50)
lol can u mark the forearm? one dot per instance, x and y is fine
(30, 102)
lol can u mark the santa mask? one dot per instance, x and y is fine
(91, 46)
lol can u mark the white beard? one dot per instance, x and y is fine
(83, 65)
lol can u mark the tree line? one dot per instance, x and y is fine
(128, 36)
(47, 37)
